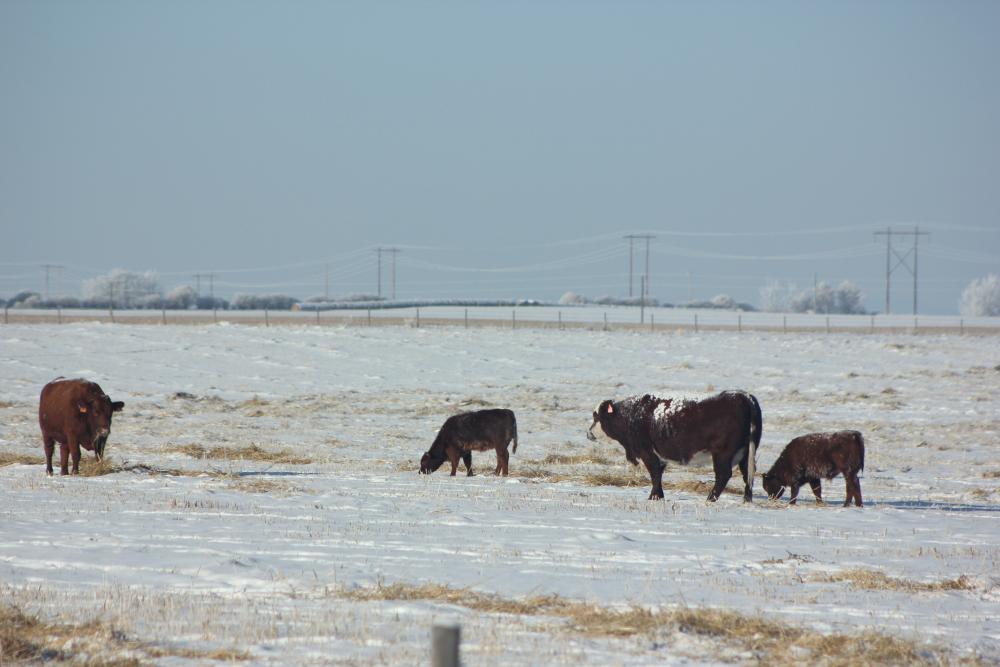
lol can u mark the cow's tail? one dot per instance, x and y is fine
(861, 441)
(513, 420)
(756, 430)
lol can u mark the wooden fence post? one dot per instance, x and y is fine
(466, 318)
(872, 329)
(828, 324)
(560, 320)
(513, 319)
(784, 324)
(652, 323)
(317, 317)
(369, 317)
(696, 322)
(605, 321)
(444, 645)
(739, 323)
(418, 318)
(267, 321)
(163, 315)
(59, 315)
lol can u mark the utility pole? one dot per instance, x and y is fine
(49, 267)
(631, 238)
(902, 259)
(393, 252)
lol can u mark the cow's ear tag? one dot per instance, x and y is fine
(611, 408)
(83, 408)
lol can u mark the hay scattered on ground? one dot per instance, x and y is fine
(252, 453)
(876, 580)
(769, 641)
(26, 639)
(9, 459)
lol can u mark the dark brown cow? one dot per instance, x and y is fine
(810, 458)
(466, 432)
(656, 430)
(74, 413)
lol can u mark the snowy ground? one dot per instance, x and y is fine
(263, 556)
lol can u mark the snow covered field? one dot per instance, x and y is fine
(195, 542)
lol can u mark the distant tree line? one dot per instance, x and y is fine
(128, 290)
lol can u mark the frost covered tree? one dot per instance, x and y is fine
(775, 297)
(572, 299)
(848, 298)
(981, 298)
(845, 299)
(123, 289)
(181, 298)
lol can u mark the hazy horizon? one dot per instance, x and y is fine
(505, 149)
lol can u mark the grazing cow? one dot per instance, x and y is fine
(74, 413)
(466, 432)
(816, 456)
(656, 430)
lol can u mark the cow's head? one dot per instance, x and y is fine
(773, 487)
(96, 412)
(429, 463)
(603, 413)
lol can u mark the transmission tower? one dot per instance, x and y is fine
(49, 267)
(902, 260)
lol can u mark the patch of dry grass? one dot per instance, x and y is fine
(992, 474)
(632, 476)
(261, 485)
(9, 459)
(769, 641)
(91, 467)
(26, 639)
(875, 580)
(252, 453)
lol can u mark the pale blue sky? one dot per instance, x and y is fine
(191, 137)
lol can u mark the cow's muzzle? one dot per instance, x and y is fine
(99, 443)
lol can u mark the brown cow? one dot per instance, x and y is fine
(466, 432)
(815, 456)
(74, 413)
(656, 430)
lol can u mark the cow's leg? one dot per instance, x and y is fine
(655, 468)
(63, 458)
(50, 448)
(467, 460)
(794, 488)
(453, 459)
(817, 487)
(74, 450)
(503, 458)
(747, 491)
(723, 471)
(853, 490)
